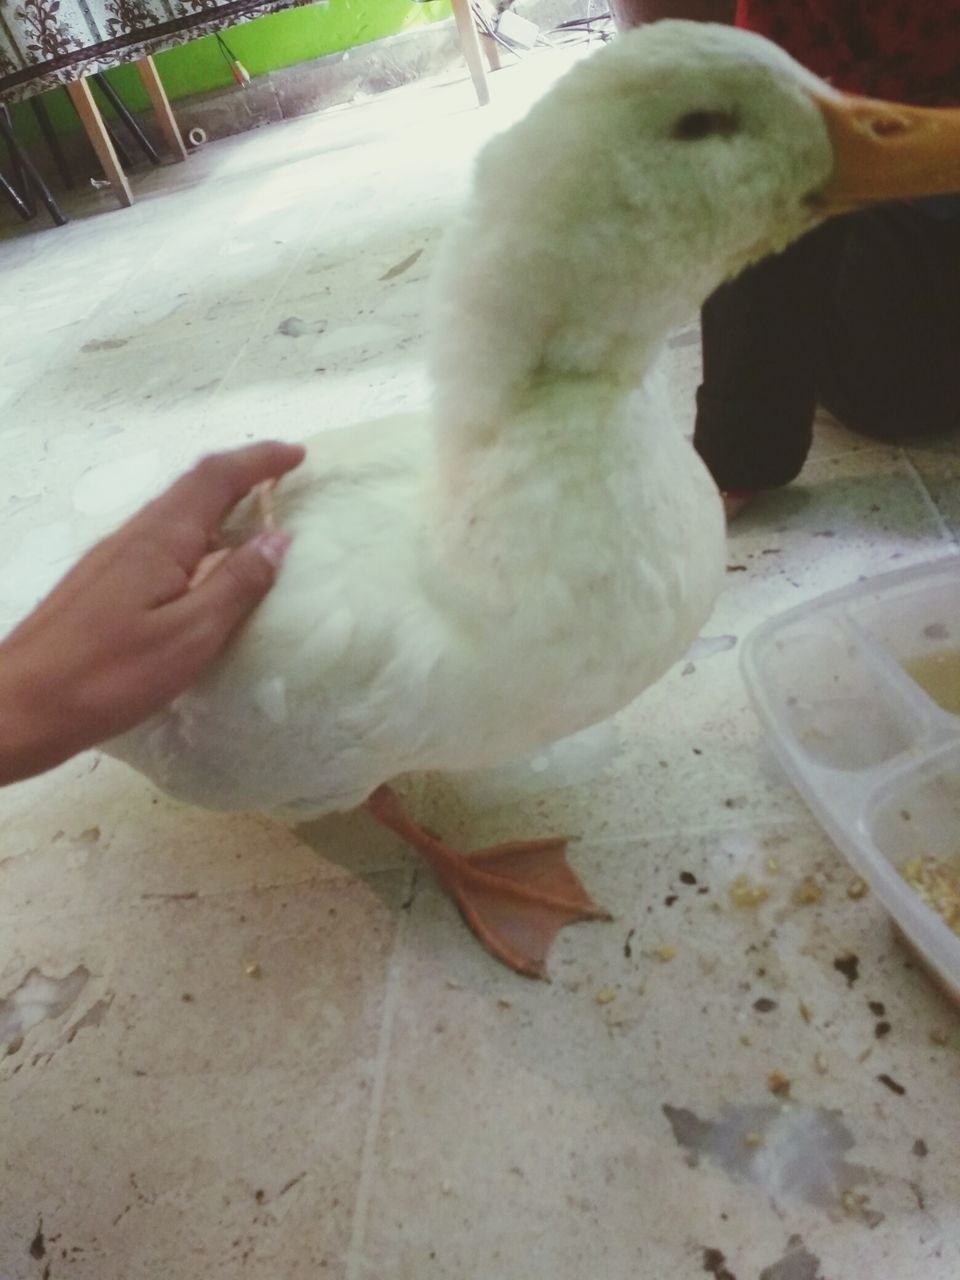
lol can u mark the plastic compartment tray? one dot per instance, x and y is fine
(875, 756)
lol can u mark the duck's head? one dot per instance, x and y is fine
(720, 144)
(659, 167)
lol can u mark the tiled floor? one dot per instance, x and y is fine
(235, 1050)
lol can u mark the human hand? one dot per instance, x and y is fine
(128, 629)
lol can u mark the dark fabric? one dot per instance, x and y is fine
(906, 50)
(44, 43)
(861, 316)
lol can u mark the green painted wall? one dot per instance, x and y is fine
(279, 40)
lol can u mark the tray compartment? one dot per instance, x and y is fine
(830, 698)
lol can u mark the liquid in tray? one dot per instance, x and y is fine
(938, 675)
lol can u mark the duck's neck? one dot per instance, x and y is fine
(559, 498)
(560, 432)
(515, 321)
(550, 421)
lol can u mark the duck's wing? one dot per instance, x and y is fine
(298, 711)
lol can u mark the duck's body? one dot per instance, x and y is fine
(527, 556)
(413, 628)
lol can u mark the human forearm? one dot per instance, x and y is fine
(32, 739)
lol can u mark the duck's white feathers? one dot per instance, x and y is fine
(414, 627)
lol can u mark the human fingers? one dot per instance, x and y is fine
(215, 484)
(212, 610)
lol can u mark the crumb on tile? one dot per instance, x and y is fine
(850, 1201)
(745, 892)
(778, 1083)
(807, 893)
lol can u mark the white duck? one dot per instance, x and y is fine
(468, 584)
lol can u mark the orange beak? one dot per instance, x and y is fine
(884, 151)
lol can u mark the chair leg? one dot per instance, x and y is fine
(161, 107)
(492, 50)
(89, 113)
(470, 44)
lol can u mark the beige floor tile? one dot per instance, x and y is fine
(847, 517)
(938, 464)
(195, 1101)
(605, 1124)
(94, 835)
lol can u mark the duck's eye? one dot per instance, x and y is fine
(705, 124)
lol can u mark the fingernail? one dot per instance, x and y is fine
(273, 547)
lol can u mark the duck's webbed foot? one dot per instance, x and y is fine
(516, 897)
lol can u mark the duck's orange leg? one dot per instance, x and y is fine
(515, 897)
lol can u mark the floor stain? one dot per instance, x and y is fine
(714, 1263)
(104, 344)
(38, 1245)
(793, 1152)
(798, 1264)
(292, 327)
(37, 997)
(92, 1018)
(399, 268)
(849, 966)
(893, 1085)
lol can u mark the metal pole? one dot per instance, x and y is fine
(128, 119)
